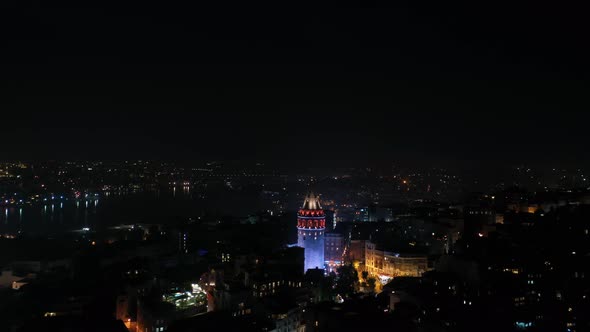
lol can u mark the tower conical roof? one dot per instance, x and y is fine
(312, 202)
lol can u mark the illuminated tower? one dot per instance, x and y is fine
(311, 224)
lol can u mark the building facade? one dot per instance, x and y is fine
(389, 265)
(333, 251)
(311, 226)
(356, 251)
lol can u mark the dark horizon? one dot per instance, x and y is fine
(328, 139)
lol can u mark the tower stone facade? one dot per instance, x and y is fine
(311, 226)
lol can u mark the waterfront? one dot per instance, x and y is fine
(152, 206)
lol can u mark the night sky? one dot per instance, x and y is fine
(490, 81)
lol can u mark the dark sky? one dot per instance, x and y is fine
(352, 82)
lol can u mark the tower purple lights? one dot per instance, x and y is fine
(311, 225)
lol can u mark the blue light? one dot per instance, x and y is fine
(523, 325)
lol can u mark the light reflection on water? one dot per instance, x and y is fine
(48, 218)
(73, 214)
(156, 206)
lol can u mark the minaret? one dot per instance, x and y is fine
(311, 225)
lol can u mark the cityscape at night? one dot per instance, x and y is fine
(160, 246)
(294, 167)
